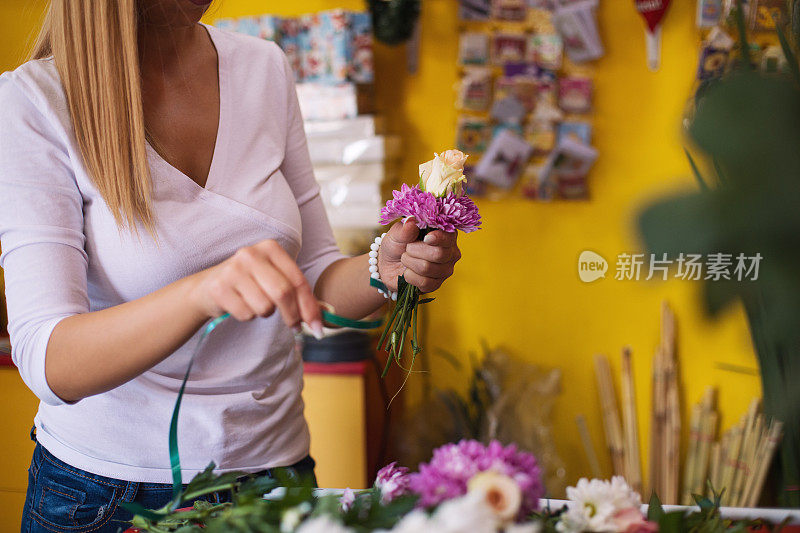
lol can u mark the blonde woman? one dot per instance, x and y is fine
(154, 174)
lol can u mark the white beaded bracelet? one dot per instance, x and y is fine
(373, 267)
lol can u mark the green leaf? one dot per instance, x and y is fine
(696, 171)
(787, 49)
(671, 522)
(426, 300)
(655, 511)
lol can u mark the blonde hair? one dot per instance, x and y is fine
(95, 48)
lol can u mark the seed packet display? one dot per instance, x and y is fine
(473, 48)
(545, 50)
(575, 94)
(475, 92)
(577, 25)
(504, 87)
(508, 48)
(472, 134)
(504, 160)
(474, 9)
(514, 10)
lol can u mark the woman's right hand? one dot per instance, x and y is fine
(255, 282)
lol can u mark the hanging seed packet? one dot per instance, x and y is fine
(714, 55)
(508, 48)
(708, 13)
(504, 87)
(508, 110)
(545, 50)
(474, 9)
(472, 134)
(572, 187)
(473, 48)
(763, 13)
(575, 94)
(581, 131)
(504, 160)
(513, 10)
(526, 90)
(577, 25)
(475, 91)
(540, 131)
(773, 60)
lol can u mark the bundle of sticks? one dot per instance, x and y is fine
(738, 463)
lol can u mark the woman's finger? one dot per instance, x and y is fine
(423, 283)
(434, 254)
(254, 296)
(280, 291)
(426, 268)
(229, 301)
(441, 238)
(307, 304)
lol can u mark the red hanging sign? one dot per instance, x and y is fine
(652, 11)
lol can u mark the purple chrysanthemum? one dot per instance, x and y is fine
(446, 475)
(392, 481)
(450, 213)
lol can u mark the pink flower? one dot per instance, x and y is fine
(450, 213)
(392, 481)
(452, 466)
(347, 500)
(631, 520)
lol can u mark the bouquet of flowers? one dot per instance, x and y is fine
(437, 202)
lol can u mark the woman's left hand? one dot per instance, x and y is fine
(424, 264)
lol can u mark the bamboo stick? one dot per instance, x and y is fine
(731, 460)
(692, 454)
(773, 439)
(588, 447)
(633, 465)
(657, 420)
(673, 420)
(610, 411)
(715, 464)
(707, 436)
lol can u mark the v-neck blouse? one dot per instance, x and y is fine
(63, 254)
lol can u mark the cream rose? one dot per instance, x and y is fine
(501, 493)
(444, 174)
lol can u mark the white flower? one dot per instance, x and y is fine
(323, 524)
(415, 522)
(347, 500)
(467, 514)
(443, 174)
(500, 492)
(595, 504)
(292, 517)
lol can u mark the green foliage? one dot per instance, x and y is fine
(747, 125)
(250, 512)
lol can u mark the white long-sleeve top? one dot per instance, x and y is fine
(63, 254)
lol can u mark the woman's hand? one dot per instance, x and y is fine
(424, 264)
(255, 282)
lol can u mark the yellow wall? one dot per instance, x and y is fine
(517, 284)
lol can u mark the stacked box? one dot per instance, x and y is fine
(290, 42)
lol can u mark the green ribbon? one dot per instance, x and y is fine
(174, 456)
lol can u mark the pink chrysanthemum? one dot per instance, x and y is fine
(450, 213)
(392, 481)
(453, 465)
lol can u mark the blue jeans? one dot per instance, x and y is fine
(65, 499)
